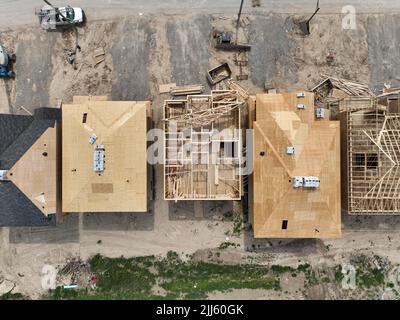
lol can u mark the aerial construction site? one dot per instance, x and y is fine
(244, 150)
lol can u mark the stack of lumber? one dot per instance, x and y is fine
(351, 88)
(243, 93)
(98, 56)
(225, 96)
(186, 90)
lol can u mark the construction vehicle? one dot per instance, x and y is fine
(51, 17)
(5, 61)
(224, 42)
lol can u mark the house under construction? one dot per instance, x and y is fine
(203, 147)
(371, 141)
(296, 177)
(104, 159)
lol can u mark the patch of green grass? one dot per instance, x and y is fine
(12, 296)
(227, 244)
(370, 277)
(282, 269)
(121, 278)
(306, 269)
(338, 274)
(237, 227)
(118, 278)
(194, 280)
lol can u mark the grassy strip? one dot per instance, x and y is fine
(12, 296)
(153, 277)
(134, 278)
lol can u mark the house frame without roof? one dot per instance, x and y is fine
(371, 154)
(203, 147)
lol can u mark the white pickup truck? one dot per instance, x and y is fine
(51, 17)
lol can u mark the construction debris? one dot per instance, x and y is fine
(166, 88)
(243, 93)
(75, 273)
(333, 93)
(185, 90)
(70, 55)
(241, 59)
(224, 42)
(350, 88)
(241, 76)
(98, 56)
(330, 58)
(245, 21)
(219, 73)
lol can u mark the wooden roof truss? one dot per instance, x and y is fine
(193, 168)
(373, 162)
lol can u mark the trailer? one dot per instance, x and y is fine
(219, 73)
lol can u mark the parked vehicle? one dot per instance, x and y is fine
(53, 17)
(5, 61)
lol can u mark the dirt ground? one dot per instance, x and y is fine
(143, 51)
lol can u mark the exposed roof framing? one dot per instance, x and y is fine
(203, 147)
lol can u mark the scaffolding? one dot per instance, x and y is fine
(373, 158)
(203, 147)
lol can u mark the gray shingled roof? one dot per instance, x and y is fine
(11, 127)
(16, 210)
(17, 135)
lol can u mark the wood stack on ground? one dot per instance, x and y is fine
(332, 93)
(350, 88)
(166, 88)
(243, 93)
(185, 90)
(75, 272)
(98, 56)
